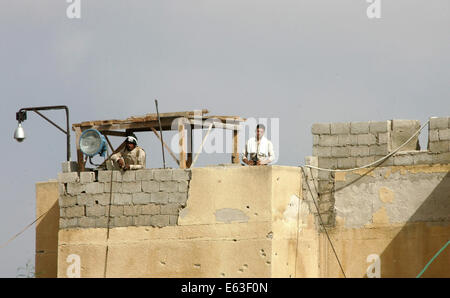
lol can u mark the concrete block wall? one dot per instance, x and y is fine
(348, 145)
(151, 197)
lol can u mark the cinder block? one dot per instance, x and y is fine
(439, 147)
(68, 177)
(321, 129)
(162, 174)
(359, 127)
(129, 176)
(181, 174)
(444, 134)
(75, 211)
(102, 222)
(85, 200)
(122, 198)
(386, 162)
(433, 135)
(159, 197)
(168, 186)
(131, 187)
(378, 149)
(142, 198)
(151, 209)
(316, 139)
(170, 209)
(363, 161)
(67, 201)
(86, 222)
(62, 189)
(115, 211)
(344, 140)
(422, 158)
(150, 186)
(116, 187)
(325, 207)
(366, 139)
(340, 128)
(102, 199)
(75, 188)
(67, 223)
(383, 138)
(340, 151)
(177, 197)
(441, 158)
(183, 186)
(439, 123)
(378, 126)
(123, 221)
(87, 177)
(132, 210)
(324, 175)
(143, 220)
(144, 175)
(328, 140)
(94, 187)
(322, 151)
(359, 151)
(346, 162)
(327, 163)
(105, 176)
(173, 220)
(402, 130)
(159, 220)
(69, 166)
(96, 211)
(403, 160)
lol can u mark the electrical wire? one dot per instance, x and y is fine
(29, 225)
(321, 220)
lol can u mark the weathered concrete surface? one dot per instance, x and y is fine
(402, 214)
(47, 229)
(238, 222)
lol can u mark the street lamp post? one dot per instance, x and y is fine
(21, 116)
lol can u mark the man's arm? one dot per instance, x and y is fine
(117, 158)
(270, 152)
(245, 154)
(140, 162)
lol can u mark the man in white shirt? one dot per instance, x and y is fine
(260, 149)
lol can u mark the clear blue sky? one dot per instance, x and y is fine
(299, 61)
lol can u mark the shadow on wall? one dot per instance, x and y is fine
(46, 263)
(424, 234)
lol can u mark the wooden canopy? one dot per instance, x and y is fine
(169, 121)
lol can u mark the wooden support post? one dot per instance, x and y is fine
(165, 146)
(190, 146)
(235, 155)
(80, 156)
(182, 143)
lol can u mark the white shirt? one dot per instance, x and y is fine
(262, 149)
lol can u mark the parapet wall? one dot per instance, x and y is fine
(354, 144)
(347, 145)
(151, 197)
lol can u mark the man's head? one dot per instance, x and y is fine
(130, 143)
(260, 129)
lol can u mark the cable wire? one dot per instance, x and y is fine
(320, 219)
(17, 235)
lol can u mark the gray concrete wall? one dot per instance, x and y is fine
(354, 144)
(151, 197)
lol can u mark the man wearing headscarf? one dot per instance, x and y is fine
(132, 157)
